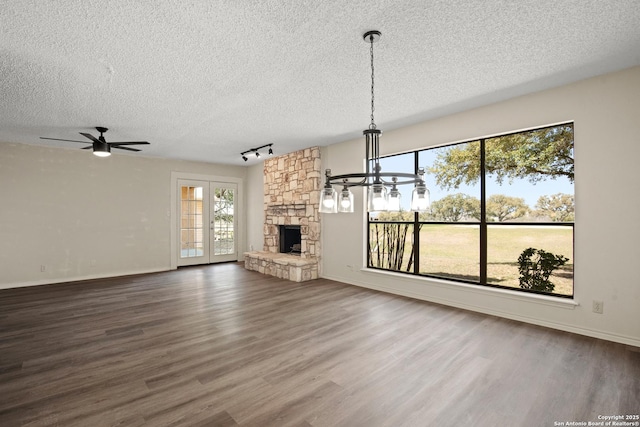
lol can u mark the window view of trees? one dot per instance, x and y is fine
(495, 203)
(534, 156)
(391, 245)
(556, 207)
(223, 218)
(454, 208)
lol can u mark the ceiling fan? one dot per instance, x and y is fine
(101, 147)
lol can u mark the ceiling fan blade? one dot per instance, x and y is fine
(125, 148)
(130, 143)
(91, 137)
(87, 147)
(67, 140)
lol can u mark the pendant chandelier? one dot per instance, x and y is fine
(379, 199)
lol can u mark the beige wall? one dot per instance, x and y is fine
(255, 204)
(82, 216)
(606, 112)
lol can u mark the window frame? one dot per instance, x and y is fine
(483, 224)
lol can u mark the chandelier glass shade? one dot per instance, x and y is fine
(383, 193)
(329, 201)
(345, 201)
(394, 199)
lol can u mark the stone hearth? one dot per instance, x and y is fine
(291, 196)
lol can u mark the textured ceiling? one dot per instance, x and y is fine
(205, 80)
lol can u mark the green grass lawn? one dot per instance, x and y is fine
(453, 251)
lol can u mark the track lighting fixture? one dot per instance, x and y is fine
(256, 152)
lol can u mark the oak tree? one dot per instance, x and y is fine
(455, 207)
(535, 155)
(502, 208)
(557, 207)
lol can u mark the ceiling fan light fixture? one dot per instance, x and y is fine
(101, 149)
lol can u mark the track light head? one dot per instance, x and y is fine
(256, 151)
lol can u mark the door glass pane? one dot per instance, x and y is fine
(223, 221)
(191, 232)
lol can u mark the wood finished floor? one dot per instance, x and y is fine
(223, 346)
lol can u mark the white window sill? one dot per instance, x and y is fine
(482, 290)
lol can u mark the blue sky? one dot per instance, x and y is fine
(518, 188)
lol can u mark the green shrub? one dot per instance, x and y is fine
(535, 267)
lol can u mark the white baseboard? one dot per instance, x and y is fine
(77, 278)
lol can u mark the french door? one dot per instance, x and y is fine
(207, 222)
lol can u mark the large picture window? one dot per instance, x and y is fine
(502, 214)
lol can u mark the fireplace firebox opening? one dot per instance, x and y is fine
(290, 239)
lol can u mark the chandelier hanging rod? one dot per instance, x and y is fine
(373, 177)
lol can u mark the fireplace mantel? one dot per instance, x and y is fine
(288, 206)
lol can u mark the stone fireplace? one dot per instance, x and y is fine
(291, 196)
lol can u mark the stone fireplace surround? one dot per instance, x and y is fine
(291, 197)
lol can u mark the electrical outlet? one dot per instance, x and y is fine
(598, 307)
(43, 268)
